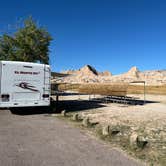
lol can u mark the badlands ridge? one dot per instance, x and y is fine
(89, 74)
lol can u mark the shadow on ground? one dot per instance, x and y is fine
(68, 105)
(31, 110)
(78, 105)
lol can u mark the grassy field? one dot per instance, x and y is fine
(64, 87)
(110, 89)
(136, 89)
(104, 89)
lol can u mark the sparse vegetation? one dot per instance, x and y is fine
(119, 135)
(136, 89)
(64, 87)
(107, 89)
(119, 89)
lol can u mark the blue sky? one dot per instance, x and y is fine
(107, 34)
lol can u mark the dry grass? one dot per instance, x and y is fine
(136, 89)
(64, 87)
(118, 89)
(104, 89)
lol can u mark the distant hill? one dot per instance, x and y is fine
(89, 74)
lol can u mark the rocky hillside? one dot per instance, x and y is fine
(86, 74)
(89, 74)
(153, 77)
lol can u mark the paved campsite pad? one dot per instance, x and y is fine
(31, 140)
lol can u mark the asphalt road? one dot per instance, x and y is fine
(41, 140)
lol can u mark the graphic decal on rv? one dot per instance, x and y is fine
(25, 85)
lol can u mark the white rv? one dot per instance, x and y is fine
(24, 84)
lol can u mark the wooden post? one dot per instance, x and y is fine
(89, 98)
(144, 94)
(57, 100)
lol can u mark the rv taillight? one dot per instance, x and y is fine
(46, 95)
(5, 97)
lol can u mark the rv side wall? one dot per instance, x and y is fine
(24, 84)
(0, 76)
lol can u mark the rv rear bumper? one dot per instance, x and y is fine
(24, 104)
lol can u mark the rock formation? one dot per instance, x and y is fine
(133, 72)
(89, 74)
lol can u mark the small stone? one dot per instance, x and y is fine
(105, 130)
(133, 138)
(86, 122)
(141, 141)
(53, 115)
(75, 117)
(163, 147)
(115, 130)
(63, 113)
